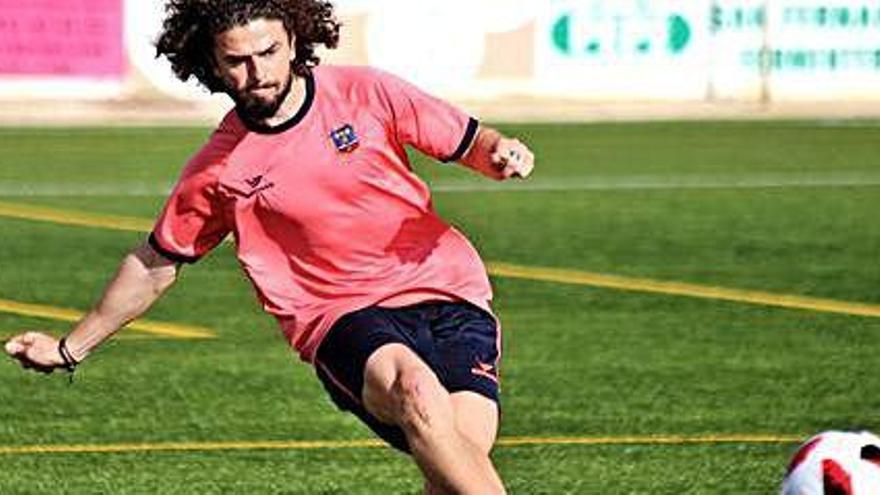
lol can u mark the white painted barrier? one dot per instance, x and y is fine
(488, 50)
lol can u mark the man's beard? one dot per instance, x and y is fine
(257, 109)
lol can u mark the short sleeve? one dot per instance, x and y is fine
(431, 125)
(192, 221)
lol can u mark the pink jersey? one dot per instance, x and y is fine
(326, 212)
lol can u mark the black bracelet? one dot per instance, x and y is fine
(69, 362)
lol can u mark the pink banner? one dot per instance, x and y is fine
(73, 38)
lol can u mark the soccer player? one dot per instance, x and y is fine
(310, 175)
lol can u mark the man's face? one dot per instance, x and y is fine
(253, 61)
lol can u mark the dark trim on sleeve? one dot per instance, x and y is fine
(466, 141)
(177, 258)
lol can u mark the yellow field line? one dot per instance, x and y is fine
(71, 315)
(561, 276)
(577, 277)
(77, 218)
(188, 446)
(649, 440)
(357, 444)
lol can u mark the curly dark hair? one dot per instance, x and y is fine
(187, 37)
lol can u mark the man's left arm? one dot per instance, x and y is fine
(497, 156)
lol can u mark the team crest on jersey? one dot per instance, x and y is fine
(345, 139)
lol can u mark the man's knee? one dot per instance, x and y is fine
(399, 388)
(421, 404)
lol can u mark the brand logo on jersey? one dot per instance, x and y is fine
(485, 370)
(254, 181)
(345, 139)
(257, 184)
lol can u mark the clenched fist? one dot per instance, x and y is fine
(36, 351)
(513, 158)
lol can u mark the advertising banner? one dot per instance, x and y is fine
(823, 49)
(795, 50)
(57, 43)
(623, 48)
(61, 38)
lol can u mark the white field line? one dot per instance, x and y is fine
(846, 123)
(651, 182)
(536, 183)
(38, 189)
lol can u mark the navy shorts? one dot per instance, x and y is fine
(459, 342)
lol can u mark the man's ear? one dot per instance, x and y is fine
(212, 61)
(215, 74)
(292, 47)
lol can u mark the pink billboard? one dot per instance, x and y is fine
(64, 38)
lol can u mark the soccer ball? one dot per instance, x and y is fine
(835, 463)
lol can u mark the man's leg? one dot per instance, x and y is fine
(453, 454)
(476, 418)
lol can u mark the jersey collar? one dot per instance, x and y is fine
(296, 119)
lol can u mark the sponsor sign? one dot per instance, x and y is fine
(61, 38)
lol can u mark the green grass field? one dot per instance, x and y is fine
(778, 207)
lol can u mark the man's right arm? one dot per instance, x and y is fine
(143, 276)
